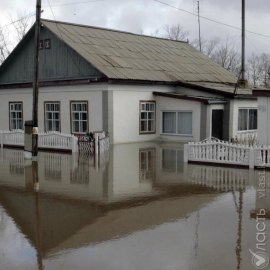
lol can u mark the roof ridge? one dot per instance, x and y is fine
(112, 30)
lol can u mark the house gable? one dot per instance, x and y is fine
(59, 62)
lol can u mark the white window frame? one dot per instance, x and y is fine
(246, 130)
(176, 119)
(147, 120)
(16, 118)
(72, 121)
(54, 113)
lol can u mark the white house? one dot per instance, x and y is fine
(263, 96)
(138, 88)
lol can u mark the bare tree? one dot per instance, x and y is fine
(227, 56)
(175, 32)
(21, 24)
(4, 50)
(254, 69)
(208, 46)
(265, 69)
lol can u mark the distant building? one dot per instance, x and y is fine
(138, 88)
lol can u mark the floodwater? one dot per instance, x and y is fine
(138, 207)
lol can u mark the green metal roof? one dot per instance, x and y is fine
(123, 55)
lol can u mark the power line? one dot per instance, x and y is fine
(76, 3)
(21, 19)
(59, 30)
(211, 20)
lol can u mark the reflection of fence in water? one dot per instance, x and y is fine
(219, 178)
(15, 158)
(81, 173)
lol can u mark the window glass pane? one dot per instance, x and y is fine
(84, 116)
(151, 125)
(84, 126)
(76, 127)
(169, 122)
(253, 119)
(184, 125)
(144, 116)
(143, 125)
(57, 126)
(151, 116)
(242, 119)
(20, 126)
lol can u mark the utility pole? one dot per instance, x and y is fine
(243, 71)
(36, 82)
(199, 22)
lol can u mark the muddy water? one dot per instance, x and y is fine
(138, 207)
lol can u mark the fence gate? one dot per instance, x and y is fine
(86, 145)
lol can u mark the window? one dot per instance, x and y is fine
(15, 115)
(79, 117)
(247, 119)
(147, 117)
(52, 116)
(177, 123)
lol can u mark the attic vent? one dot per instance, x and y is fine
(45, 44)
(41, 44)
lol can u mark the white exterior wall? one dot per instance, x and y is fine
(171, 104)
(264, 120)
(63, 94)
(235, 105)
(124, 112)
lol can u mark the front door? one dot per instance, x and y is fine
(217, 124)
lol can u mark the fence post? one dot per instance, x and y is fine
(185, 153)
(74, 144)
(251, 158)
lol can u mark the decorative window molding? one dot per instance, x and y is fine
(247, 119)
(15, 115)
(147, 117)
(79, 117)
(52, 116)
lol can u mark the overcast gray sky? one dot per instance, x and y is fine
(149, 16)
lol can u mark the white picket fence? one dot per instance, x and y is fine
(220, 152)
(56, 140)
(50, 140)
(12, 138)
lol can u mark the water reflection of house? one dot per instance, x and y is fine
(138, 189)
(133, 170)
(262, 195)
